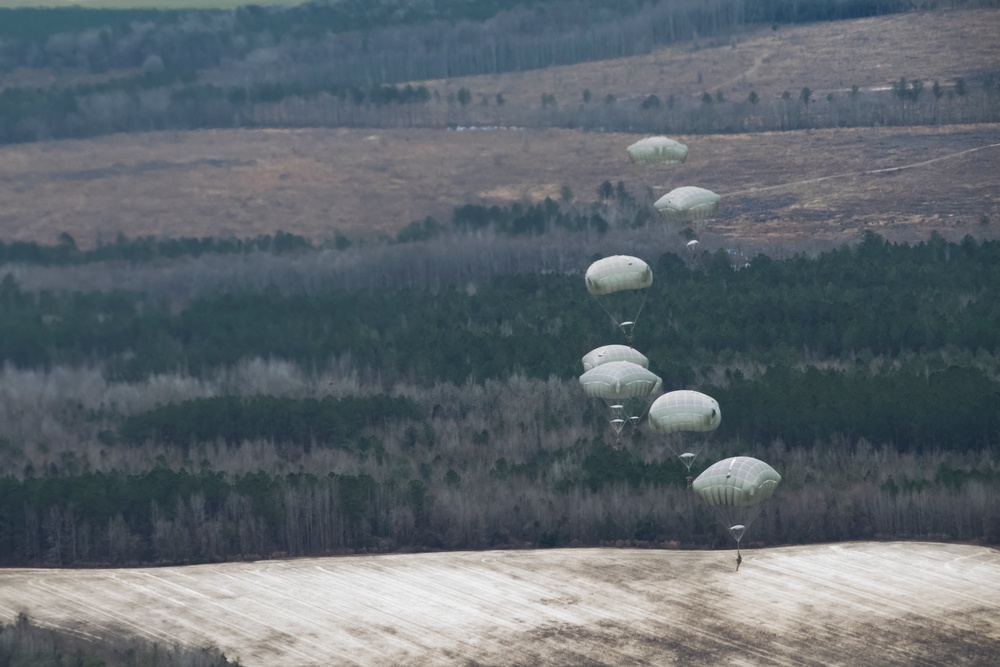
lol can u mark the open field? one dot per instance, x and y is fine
(826, 57)
(837, 604)
(822, 186)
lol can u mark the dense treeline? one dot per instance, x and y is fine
(877, 299)
(958, 406)
(104, 38)
(249, 423)
(518, 220)
(329, 65)
(232, 420)
(584, 493)
(146, 249)
(24, 643)
(142, 103)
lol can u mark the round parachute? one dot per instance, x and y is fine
(623, 389)
(657, 150)
(618, 283)
(734, 490)
(688, 418)
(606, 353)
(687, 204)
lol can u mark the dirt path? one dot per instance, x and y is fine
(868, 172)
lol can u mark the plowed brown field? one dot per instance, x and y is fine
(837, 604)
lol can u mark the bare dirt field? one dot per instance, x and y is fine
(837, 604)
(823, 186)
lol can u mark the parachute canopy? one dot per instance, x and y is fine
(657, 150)
(606, 353)
(734, 490)
(688, 203)
(740, 481)
(619, 380)
(618, 273)
(684, 410)
(623, 389)
(618, 283)
(688, 419)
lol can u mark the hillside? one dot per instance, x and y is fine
(824, 185)
(852, 603)
(820, 186)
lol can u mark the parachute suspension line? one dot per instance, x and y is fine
(627, 327)
(630, 334)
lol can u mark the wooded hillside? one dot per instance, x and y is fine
(173, 397)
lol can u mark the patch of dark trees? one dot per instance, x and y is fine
(870, 301)
(25, 643)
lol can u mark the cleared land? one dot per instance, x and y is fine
(821, 187)
(818, 186)
(825, 57)
(838, 604)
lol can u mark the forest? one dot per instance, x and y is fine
(442, 411)
(181, 400)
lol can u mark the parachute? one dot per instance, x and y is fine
(687, 204)
(657, 150)
(734, 489)
(688, 418)
(624, 389)
(618, 283)
(606, 353)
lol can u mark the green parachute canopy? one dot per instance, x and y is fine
(623, 390)
(734, 490)
(687, 204)
(619, 283)
(657, 150)
(688, 418)
(607, 353)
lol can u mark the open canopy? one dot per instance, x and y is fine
(606, 353)
(657, 150)
(734, 489)
(688, 203)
